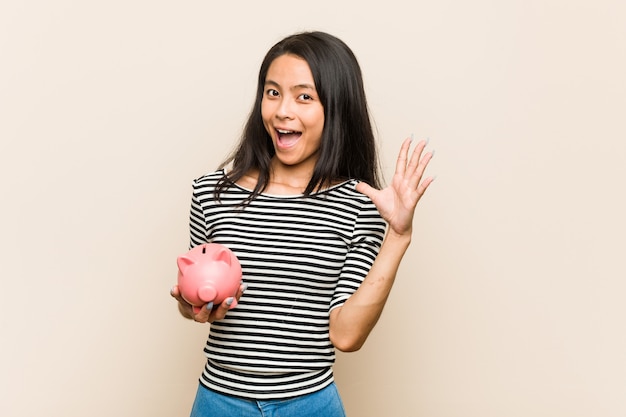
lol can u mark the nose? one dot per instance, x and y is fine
(285, 109)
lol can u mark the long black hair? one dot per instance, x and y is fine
(348, 147)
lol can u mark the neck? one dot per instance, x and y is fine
(294, 178)
(280, 183)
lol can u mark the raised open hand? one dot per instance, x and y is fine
(396, 203)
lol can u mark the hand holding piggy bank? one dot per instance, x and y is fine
(208, 273)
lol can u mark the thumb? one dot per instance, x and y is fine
(175, 291)
(365, 188)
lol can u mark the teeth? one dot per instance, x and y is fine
(284, 132)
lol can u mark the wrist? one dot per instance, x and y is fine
(399, 238)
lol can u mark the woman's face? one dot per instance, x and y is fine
(292, 112)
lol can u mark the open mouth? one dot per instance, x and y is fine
(287, 138)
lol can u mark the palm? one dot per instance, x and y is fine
(396, 203)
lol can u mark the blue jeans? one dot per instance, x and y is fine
(323, 403)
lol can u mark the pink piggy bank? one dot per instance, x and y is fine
(208, 272)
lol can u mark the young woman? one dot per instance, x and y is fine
(299, 203)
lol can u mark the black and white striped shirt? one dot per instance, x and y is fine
(301, 257)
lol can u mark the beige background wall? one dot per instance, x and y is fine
(511, 300)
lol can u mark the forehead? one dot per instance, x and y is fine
(289, 70)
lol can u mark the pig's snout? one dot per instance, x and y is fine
(207, 293)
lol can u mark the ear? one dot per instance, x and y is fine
(223, 255)
(183, 262)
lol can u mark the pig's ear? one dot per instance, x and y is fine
(184, 262)
(223, 255)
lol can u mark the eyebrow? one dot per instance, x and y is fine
(295, 87)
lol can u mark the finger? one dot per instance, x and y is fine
(424, 186)
(414, 162)
(202, 314)
(175, 292)
(242, 288)
(416, 177)
(402, 157)
(220, 312)
(365, 188)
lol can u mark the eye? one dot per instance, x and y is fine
(272, 93)
(305, 97)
